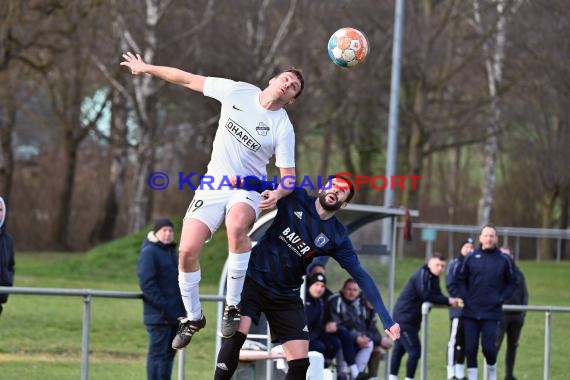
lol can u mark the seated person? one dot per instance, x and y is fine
(321, 341)
(381, 343)
(347, 312)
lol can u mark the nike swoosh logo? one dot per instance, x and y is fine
(235, 278)
(235, 108)
(248, 198)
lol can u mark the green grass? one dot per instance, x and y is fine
(40, 337)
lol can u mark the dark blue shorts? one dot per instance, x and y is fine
(285, 315)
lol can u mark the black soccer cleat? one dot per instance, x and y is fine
(186, 330)
(230, 320)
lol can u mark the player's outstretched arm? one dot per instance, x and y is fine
(170, 74)
(366, 283)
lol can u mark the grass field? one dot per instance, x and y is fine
(40, 337)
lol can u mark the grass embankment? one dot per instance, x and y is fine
(40, 337)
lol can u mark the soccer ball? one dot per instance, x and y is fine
(347, 47)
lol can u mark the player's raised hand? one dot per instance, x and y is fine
(270, 200)
(394, 331)
(134, 62)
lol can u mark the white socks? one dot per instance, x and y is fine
(450, 372)
(363, 356)
(492, 372)
(460, 371)
(392, 377)
(354, 372)
(237, 267)
(190, 291)
(472, 373)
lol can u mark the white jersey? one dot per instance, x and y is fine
(248, 135)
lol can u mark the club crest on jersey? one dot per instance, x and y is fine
(262, 129)
(321, 240)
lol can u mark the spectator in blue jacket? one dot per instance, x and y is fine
(485, 281)
(456, 343)
(162, 303)
(422, 287)
(513, 321)
(7, 262)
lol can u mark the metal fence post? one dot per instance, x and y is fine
(425, 327)
(181, 362)
(85, 337)
(548, 317)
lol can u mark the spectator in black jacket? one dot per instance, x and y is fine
(513, 321)
(456, 343)
(320, 340)
(7, 262)
(422, 287)
(162, 303)
(485, 281)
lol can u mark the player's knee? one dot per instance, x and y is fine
(297, 369)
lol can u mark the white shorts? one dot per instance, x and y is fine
(211, 206)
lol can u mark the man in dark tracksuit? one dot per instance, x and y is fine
(513, 321)
(456, 343)
(485, 281)
(422, 287)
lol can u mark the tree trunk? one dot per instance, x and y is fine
(66, 198)
(104, 229)
(7, 122)
(564, 220)
(145, 94)
(547, 214)
(494, 62)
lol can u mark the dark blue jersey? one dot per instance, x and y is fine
(297, 235)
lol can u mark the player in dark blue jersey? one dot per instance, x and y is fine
(304, 227)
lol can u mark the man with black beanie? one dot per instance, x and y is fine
(162, 304)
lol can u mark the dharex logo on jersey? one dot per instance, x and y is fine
(242, 135)
(295, 243)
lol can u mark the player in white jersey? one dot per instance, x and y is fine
(253, 127)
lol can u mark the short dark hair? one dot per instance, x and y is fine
(488, 226)
(437, 255)
(299, 76)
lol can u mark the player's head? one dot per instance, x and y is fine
(316, 284)
(436, 264)
(488, 237)
(466, 246)
(297, 73)
(350, 289)
(287, 85)
(507, 251)
(316, 268)
(336, 194)
(164, 230)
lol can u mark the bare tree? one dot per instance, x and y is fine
(494, 54)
